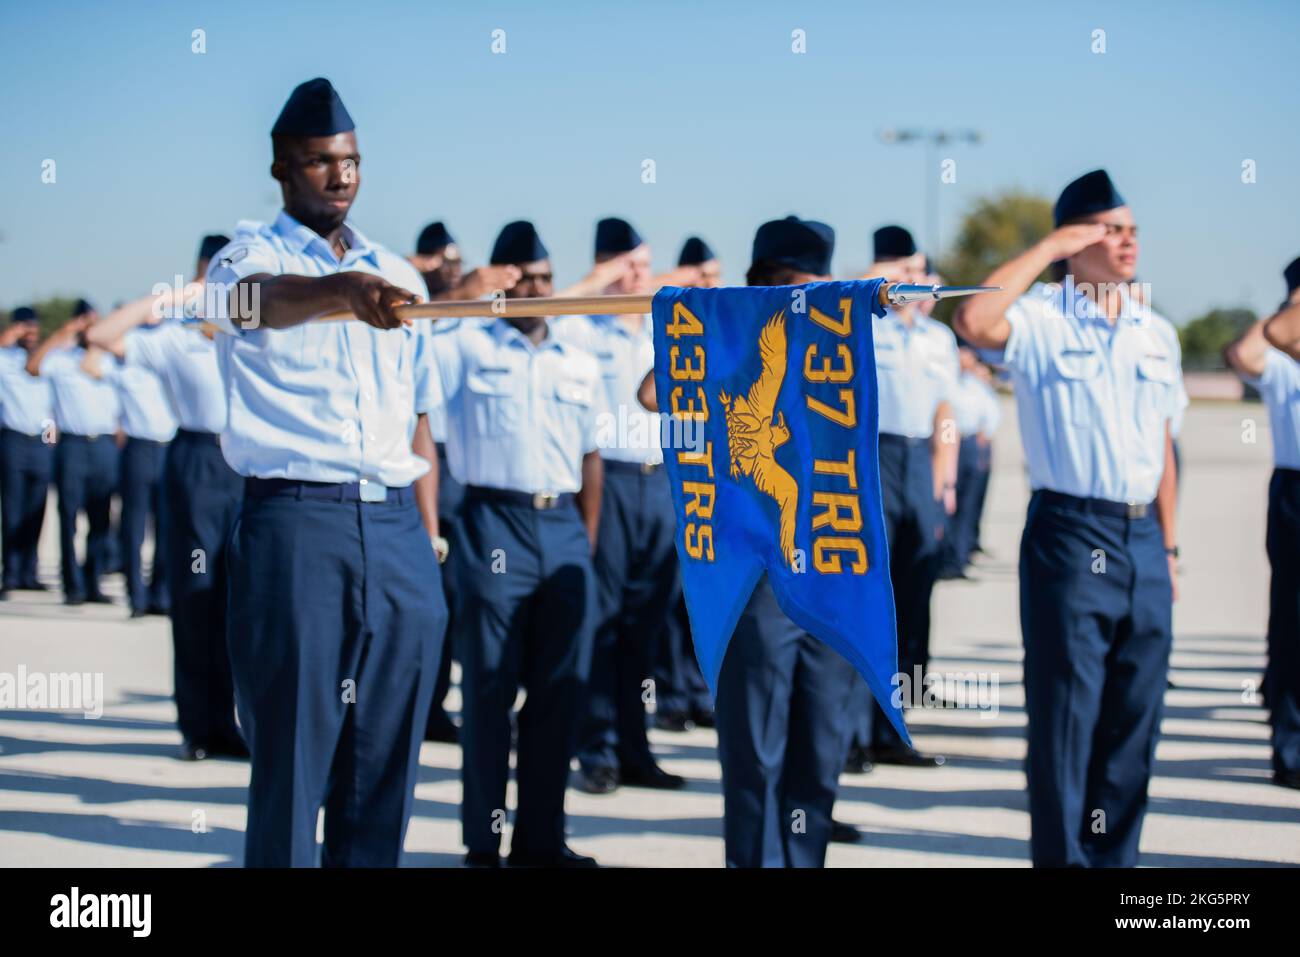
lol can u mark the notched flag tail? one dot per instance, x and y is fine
(771, 450)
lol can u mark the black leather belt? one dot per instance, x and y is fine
(632, 468)
(190, 435)
(1131, 511)
(541, 501)
(326, 491)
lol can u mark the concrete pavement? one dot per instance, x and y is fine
(107, 792)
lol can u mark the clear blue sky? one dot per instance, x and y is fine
(155, 144)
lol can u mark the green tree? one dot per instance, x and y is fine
(994, 229)
(1203, 339)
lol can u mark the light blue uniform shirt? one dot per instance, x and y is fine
(83, 405)
(629, 433)
(185, 361)
(1093, 399)
(146, 410)
(1279, 387)
(916, 369)
(322, 401)
(26, 401)
(519, 416)
(975, 406)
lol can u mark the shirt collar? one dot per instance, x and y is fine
(301, 238)
(504, 334)
(614, 323)
(1085, 309)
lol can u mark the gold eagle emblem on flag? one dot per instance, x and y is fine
(755, 431)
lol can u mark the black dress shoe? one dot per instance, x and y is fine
(33, 586)
(704, 718)
(74, 600)
(99, 599)
(232, 747)
(442, 729)
(652, 777)
(906, 757)
(482, 859)
(564, 858)
(598, 781)
(858, 762)
(157, 609)
(4, 594)
(677, 721)
(1287, 779)
(138, 613)
(189, 751)
(842, 833)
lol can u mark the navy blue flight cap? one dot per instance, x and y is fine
(801, 244)
(518, 243)
(313, 109)
(892, 242)
(1090, 193)
(82, 307)
(24, 314)
(433, 238)
(1292, 275)
(615, 236)
(694, 252)
(212, 244)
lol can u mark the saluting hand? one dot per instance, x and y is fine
(1066, 241)
(374, 300)
(487, 279)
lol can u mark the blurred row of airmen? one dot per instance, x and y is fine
(304, 477)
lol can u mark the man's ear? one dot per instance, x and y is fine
(278, 172)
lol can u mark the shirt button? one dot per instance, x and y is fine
(365, 482)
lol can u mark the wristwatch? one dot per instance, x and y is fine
(1171, 552)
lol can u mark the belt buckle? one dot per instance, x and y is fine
(649, 468)
(1134, 510)
(544, 500)
(373, 491)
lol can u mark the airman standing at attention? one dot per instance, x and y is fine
(1097, 386)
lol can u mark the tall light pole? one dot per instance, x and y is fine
(932, 139)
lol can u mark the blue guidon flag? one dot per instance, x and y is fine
(771, 446)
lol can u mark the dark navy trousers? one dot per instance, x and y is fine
(334, 634)
(637, 588)
(202, 495)
(450, 495)
(963, 525)
(783, 727)
(1282, 692)
(679, 684)
(26, 465)
(141, 491)
(914, 526)
(1096, 613)
(85, 474)
(980, 495)
(524, 595)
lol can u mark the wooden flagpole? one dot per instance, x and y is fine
(518, 308)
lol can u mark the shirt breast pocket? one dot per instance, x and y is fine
(1155, 378)
(297, 349)
(493, 408)
(1078, 376)
(888, 356)
(573, 402)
